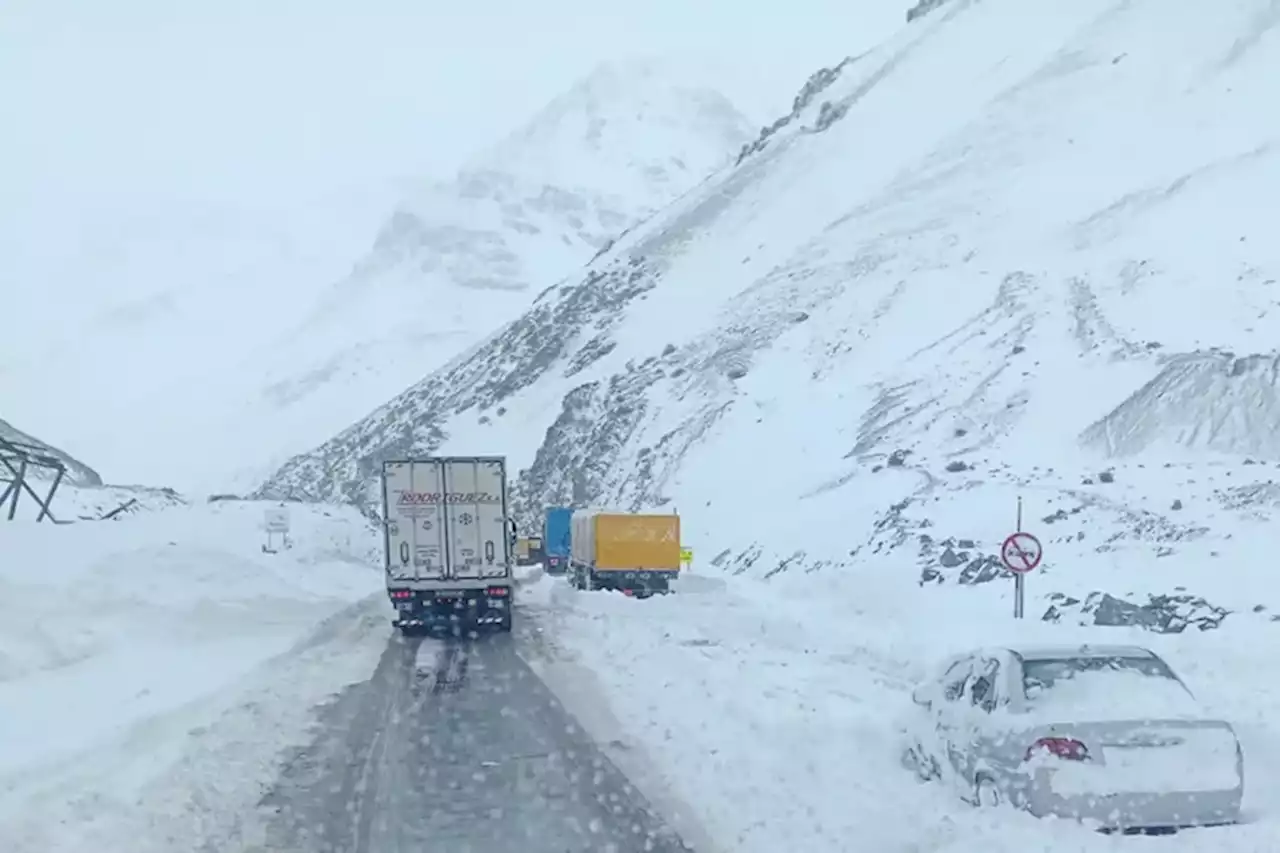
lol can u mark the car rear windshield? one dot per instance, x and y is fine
(1040, 675)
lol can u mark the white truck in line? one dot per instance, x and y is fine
(448, 542)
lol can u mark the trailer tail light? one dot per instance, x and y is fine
(496, 591)
(401, 593)
(628, 592)
(1060, 747)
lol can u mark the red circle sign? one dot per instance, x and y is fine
(1021, 553)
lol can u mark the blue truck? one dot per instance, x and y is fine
(556, 538)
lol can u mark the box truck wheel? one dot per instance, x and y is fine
(505, 625)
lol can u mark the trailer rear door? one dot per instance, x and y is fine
(413, 506)
(479, 546)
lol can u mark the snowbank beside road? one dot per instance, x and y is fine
(122, 642)
(771, 708)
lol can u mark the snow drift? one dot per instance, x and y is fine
(152, 668)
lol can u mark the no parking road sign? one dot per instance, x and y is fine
(1021, 553)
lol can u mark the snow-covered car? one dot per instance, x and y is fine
(1104, 734)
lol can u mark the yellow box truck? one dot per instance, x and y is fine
(633, 553)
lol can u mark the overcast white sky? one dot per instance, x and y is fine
(235, 98)
(156, 151)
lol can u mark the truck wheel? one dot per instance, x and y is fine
(505, 625)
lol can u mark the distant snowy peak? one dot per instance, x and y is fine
(493, 231)
(638, 129)
(621, 144)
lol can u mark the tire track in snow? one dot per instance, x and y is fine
(457, 745)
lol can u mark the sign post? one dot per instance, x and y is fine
(275, 521)
(1021, 553)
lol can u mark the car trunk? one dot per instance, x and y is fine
(1166, 756)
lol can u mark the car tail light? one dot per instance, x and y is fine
(496, 591)
(553, 561)
(401, 593)
(1060, 747)
(628, 592)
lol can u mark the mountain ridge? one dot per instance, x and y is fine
(452, 261)
(896, 318)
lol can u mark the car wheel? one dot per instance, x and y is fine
(986, 794)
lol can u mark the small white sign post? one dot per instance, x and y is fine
(1021, 553)
(275, 521)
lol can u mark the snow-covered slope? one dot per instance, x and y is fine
(290, 355)
(1003, 246)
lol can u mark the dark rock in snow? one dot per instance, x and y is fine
(957, 466)
(981, 570)
(1177, 504)
(922, 8)
(898, 458)
(1106, 477)
(1164, 614)
(817, 82)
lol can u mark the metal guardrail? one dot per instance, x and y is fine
(16, 460)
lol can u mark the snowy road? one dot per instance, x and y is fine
(458, 745)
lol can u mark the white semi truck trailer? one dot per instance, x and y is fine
(449, 542)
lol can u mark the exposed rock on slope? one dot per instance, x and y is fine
(1202, 401)
(509, 362)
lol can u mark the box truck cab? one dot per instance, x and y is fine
(557, 534)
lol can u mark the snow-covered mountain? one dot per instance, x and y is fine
(1018, 246)
(128, 321)
(280, 354)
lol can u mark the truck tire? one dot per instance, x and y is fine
(505, 625)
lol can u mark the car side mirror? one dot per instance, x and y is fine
(922, 696)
